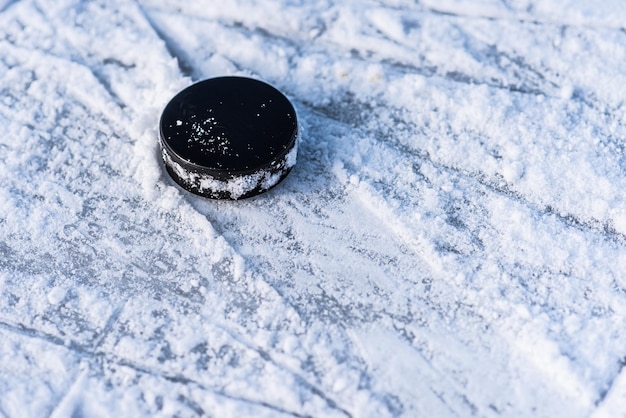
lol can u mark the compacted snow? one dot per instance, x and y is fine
(451, 242)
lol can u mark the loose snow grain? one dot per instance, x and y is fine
(57, 295)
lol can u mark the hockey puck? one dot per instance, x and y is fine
(228, 137)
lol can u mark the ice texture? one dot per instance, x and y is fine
(452, 241)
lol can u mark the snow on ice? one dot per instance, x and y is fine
(451, 242)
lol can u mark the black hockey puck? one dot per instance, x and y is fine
(228, 137)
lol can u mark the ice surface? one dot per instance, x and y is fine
(451, 242)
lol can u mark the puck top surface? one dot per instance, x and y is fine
(229, 125)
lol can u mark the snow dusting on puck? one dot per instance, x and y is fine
(229, 137)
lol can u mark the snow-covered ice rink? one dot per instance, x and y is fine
(451, 242)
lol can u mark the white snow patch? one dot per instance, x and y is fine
(57, 295)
